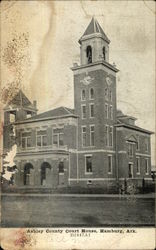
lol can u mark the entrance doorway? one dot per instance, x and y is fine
(28, 174)
(45, 169)
(130, 170)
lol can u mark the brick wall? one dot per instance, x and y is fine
(123, 158)
(98, 84)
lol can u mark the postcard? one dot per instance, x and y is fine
(77, 125)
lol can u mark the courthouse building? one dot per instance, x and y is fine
(93, 144)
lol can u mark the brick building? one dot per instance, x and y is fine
(94, 144)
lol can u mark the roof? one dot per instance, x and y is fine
(93, 28)
(54, 113)
(133, 127)
(20, 100)
(121, 116)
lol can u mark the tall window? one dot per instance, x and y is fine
(84, 137)
(130, 149)
(138, 165)
(89, 54)
(137, 143)
(91, 94)
(104, 53)
(146, 145)
(83, 94)
(83, 107)
(42, 138)
(107, 135)
(110, 136)
(28, 169)
(91, 110)
(26, 140)
(88, 163)
(109, 164)
(146, 166)
(110, 95)
(12, 117)
(130, 170)
(111, 112)
(92, 135)
(106, 110)
(61, 142)
(106, 94)
(55, 139)
(61, 167)
(58, 139)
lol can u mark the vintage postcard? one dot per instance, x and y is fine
(77, 125)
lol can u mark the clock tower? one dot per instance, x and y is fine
(95, 101)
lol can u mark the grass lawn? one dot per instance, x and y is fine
(48, 211)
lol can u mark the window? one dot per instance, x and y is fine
(83, 111)
(55, 140)
(111, 112)
(91, 95)
(42, 138)
(26, 140)
(84, 141)
(130, 170)
(110, 95)
(146, 166)
(110, 164)
(107, 135)
(61, 139)
(138, 165)
(91, 110)
(92, 133)
(146, 145)
(12, 117)
(88, 164)
(106, 110)
(89, 54)
(58, 139)
(83, 94)
(110, 136)
(28, 173)
(106, 94)
(137, 143)
(61, 167)
(130, 149)
(104, 53)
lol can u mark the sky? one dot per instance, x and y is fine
(46, 45)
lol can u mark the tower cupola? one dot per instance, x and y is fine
(94, 44)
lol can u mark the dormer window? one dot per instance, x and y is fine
(89, 54)
(104, 53)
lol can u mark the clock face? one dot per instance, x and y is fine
(87, 80)
(108, 80)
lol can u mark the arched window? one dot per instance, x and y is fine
(27, 174)
(89, 54)
(91, 93)
(45, 167)
(83, 95)
(104, 53)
